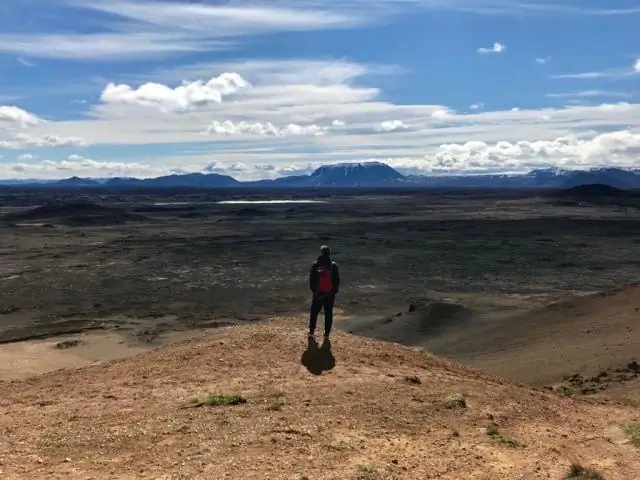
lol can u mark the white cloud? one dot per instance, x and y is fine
(25, 157)
(390, 126)
(280, 118)
(18, 116)
(589, 94)
(583, 75)
(25, 63)
(152, 29)
(613, 73)
(76, 165)
(338, 123)
(268, 129)
(226, 19)
(496, 48)
(23, 140)
(543, 60)
(610, 149)
(476, 106)
(104, 46)
(440, 114)
(183, 97)
(132, 29)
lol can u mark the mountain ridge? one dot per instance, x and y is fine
(367, 174)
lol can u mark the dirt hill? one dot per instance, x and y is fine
(359, 409)
(585, 335)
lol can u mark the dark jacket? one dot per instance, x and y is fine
(335, 273)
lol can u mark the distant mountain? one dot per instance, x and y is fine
(77, 182)
(351, 175)
(542, 178)
(202, 180)
(370, 175)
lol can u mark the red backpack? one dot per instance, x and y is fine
(325, 282)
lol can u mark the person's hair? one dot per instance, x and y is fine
(325, 250)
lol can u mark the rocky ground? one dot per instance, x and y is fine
(258, 401)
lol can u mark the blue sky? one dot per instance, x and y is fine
(143, 88)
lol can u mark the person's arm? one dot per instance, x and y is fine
(336, 278)
(313, 278)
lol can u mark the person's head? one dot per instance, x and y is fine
(325, 251)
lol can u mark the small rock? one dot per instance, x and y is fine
(68, 344)
(412, 308)
(635, 366)
(67, 460)
(413, 379)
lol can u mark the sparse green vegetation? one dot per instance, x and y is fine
(565, 391)
(510, 441)
(368, 473)
(633, 432)
(578, 472)
(494, 432)
(275, 407)
(456, 400)
(212, 400)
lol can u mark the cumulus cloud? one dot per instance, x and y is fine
(444, 113)
(390, 126)
(267, 129)
(13, 115)
(476, 106)
(543, 60)
(636, 67)
(291, 106)
(496, 48)
(23, 140)
(619, 148)
(77, 165)
(184, 97)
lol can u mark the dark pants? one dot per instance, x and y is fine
(317, 303)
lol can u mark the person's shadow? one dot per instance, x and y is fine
(318, 359)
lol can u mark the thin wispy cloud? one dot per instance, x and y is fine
(25, 63)
(590, 94)
(216, 20)
(104, 46)
(543, 60)
(488, 7)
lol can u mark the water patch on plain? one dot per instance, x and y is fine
(256, 202)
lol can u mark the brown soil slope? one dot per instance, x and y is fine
(585, 334)
(377, 411)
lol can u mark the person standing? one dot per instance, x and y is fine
(324, 282)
